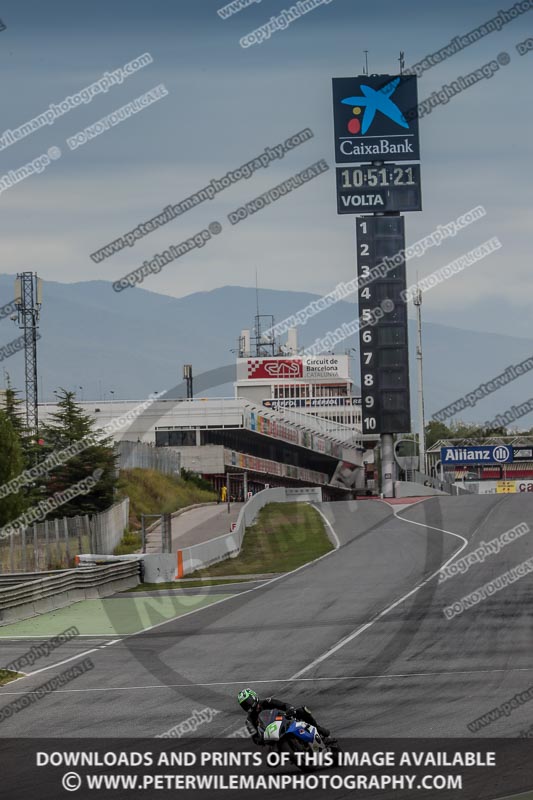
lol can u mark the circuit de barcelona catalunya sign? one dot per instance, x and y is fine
(375, 118)
(495, 454)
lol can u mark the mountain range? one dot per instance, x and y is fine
(105, 345)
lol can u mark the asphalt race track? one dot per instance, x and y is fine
(403, 670)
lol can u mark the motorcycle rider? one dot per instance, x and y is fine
(250, 702)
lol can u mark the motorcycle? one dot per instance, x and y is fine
(300, 740)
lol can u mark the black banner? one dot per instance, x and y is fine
(458, 769)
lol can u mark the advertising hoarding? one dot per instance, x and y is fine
(375, 118)
(480, 454)
(300, 368)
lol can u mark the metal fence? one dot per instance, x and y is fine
(52, 544)
(145, 456)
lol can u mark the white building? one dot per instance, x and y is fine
(319, 386)
(294, 418)
(219, 435)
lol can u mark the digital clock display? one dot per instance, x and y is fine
(368, 188)
(389, 175)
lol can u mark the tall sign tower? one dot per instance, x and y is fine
(376, 126)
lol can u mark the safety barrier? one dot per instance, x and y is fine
(443, 486)
(412, 489)
(60, 588)
(163, 567)
(306, 494)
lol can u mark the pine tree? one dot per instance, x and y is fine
(11, 465)
(14, 409)
(68, 425)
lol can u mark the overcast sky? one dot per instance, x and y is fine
(225, 104)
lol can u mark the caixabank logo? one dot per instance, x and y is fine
(374, 120)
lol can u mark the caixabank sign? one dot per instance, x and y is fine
(494, 454)
(375, 118)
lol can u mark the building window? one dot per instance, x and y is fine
(175, 438)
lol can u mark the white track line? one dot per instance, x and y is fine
(194, 610)
(46, 636)
(24, 675)
(332, 679)
(59, 663)
(362, 628)
(331, 528)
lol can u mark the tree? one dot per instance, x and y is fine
(11, 465)
(465, 430)
(13, 409)
(497, 430)
(67, 426)
(436, 430)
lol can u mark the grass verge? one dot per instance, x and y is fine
(284, 536)
(7, 675)
(156, 587)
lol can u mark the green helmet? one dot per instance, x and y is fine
(248, 699)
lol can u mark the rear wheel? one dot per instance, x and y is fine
(335, 750)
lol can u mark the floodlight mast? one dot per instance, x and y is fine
(28, 299)
(417, 300)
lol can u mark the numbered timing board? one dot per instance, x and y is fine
(368, 188)
(383, 341)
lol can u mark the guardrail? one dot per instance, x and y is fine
(60, 588)
(14, 578)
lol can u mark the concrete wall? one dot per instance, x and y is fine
(520, 486)
(409, 489)
(256, 394)
(207, 459)
(160, 567)
(455, 489)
